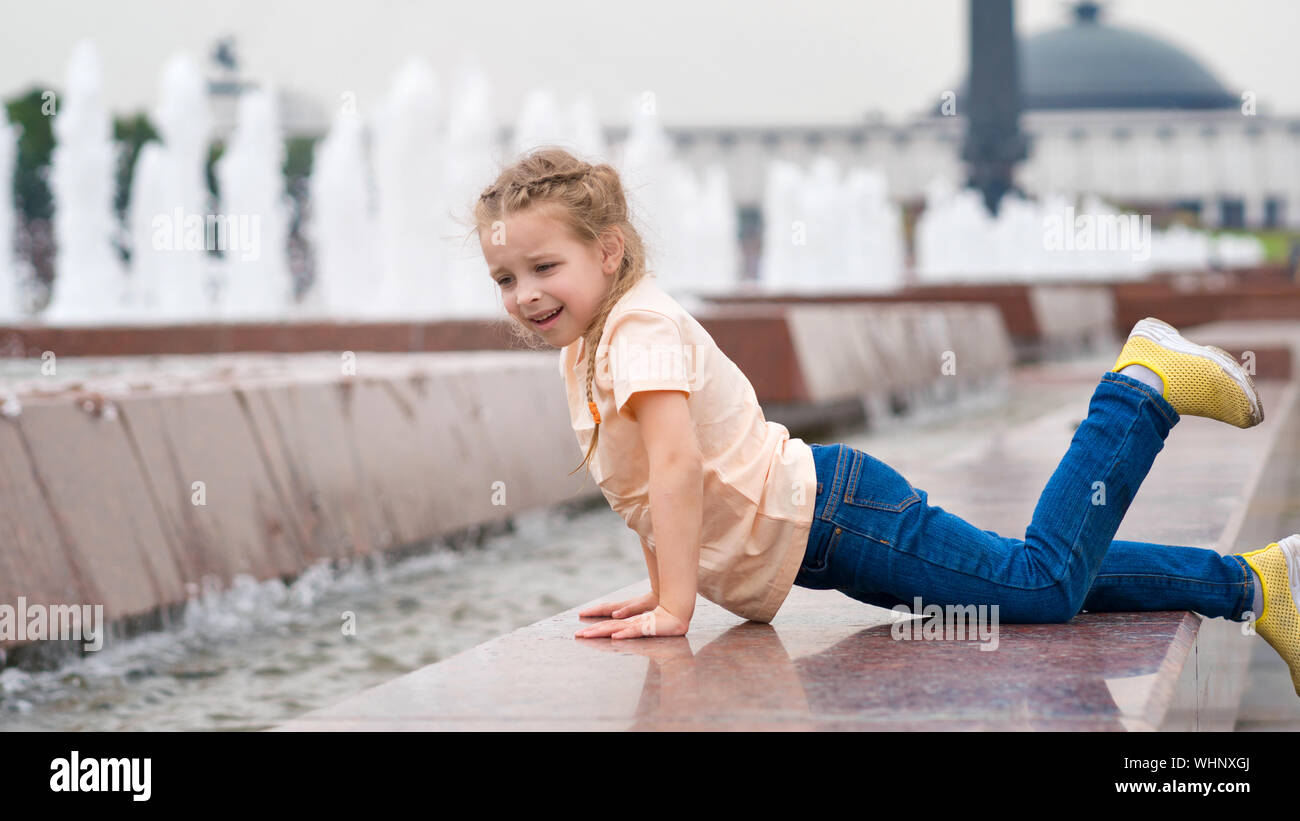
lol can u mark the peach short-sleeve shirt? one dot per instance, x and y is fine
(760, 485)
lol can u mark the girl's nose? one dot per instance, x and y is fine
(529, 293)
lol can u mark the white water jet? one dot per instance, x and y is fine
(174, 253)
(686, 221)
(470, 163)
(408, 174)
(343, 227)
(149, 198)
(827, 230)
(89, 280)
(716, 261)
(957, 240)
(392, 246)
(540, 123)
(656, 185)
(255, 213)
(585, 133)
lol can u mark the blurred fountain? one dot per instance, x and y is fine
(957, 240)
(586, 135)
(646, 172)
(470, 163)
(819, 259)
(829, 230)
(539, 123)
(408, 161)
(149, 198)
(343, 228)
(89, 281)
(1181, 248)
(716, 228)
(388, 197)
(169, 203)
(1238, 251)
(953, 234)
(776, 264)
(255, 214)
(683, 220)
(542, 122)
(873, 260)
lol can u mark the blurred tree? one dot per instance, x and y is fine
(297, 172)
(215, 149)
(297, 158)
(131, 132)
(32, 113)
(35, 144)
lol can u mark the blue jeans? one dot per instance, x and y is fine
(877, 538)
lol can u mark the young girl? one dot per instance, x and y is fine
(727, 505)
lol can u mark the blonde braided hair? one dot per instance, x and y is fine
(589, 200)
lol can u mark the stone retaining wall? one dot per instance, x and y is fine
(134, 482)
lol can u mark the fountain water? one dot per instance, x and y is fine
(175, 201)
(645, 168)
(539, 123)
(408, 173)
(91, 283)
(343, 228)
(586, 136)
(468, 165)
(255, 213)
(710, 216)
(387, 204)
(686, 222)
(403, 252)
(874, 255)
(149, 198)
(957, 240)
(826, 230)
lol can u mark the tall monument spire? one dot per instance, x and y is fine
(993, 143)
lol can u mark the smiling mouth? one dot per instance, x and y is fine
(545, 318)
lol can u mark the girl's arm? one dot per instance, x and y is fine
(652, 568)
(676, 494)
(676, 514)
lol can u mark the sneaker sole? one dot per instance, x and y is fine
(1292, 563)
(1162, 333)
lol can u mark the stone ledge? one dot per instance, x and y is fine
(299, 464)
(827, 662)
(1041, 319)
(761, 340)
(302, 462)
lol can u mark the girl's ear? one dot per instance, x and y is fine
(612, 249)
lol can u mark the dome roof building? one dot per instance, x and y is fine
(1090, 64)
(1106, 110)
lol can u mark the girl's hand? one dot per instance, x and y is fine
(657, 622)
(624, 609)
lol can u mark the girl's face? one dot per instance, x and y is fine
(540, 267)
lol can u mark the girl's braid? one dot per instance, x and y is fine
(537, 183)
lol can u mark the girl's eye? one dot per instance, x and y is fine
(502, 281)
(546, 265)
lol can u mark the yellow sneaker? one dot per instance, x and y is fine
(1278, 566)
(1200, 380)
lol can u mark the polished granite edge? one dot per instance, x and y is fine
(827, 662)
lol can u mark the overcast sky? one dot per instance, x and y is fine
(737, 62)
